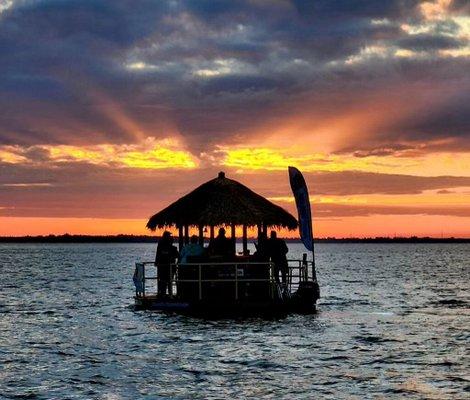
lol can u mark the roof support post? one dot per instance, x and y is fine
(212, 232)
(180, 237)
(186, 234)
(258, 227)
(245, 240)
(201, 235)
(265, 230)
(232, 231)
(234, 238)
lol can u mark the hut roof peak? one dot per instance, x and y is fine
(222, 201)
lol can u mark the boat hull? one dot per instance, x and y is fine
(303, 301)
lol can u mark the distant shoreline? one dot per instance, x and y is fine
(152, 239)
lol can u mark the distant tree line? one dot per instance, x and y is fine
(152, 239)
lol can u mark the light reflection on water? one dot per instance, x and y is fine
(393, 322)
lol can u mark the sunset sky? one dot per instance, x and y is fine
(110, 110)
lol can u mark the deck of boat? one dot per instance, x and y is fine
(230, 288)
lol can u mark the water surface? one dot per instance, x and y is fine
(393, 322)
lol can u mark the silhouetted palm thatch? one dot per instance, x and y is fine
(222, 201)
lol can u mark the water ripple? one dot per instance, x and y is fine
(393, 322)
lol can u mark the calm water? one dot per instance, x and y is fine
(393, 322)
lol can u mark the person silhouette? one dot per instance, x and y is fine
(192, 249)
(262, 249)
(277, 250)
(221, 245)
(165, 257)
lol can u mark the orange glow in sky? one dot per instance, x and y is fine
(428, 212)
(375, 212)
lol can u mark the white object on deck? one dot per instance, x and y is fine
(139, 277)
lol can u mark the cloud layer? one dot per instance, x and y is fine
(67, 189)
(87, 71)
(107, 102)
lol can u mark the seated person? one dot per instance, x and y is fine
(262, 250)
(192, 249)
(222, 246)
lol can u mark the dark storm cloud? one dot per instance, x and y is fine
(213, 69)
(439, 122)
(452, 119)
(430, 42)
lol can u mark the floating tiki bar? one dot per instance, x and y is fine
(237, 284)
(222, 201)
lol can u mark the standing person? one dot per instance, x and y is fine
(166, 255)
(193, 249)
(278, 252)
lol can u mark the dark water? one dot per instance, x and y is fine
(393, 322)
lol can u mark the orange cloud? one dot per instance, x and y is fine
(436, 9)
(247, 159)
(149, 154)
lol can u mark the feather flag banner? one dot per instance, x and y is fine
(300, 191)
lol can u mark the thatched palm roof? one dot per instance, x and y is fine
(222, 201)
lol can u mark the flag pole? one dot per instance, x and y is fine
(314, 270)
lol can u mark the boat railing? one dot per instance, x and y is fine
(141, 277)
(298, 271)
